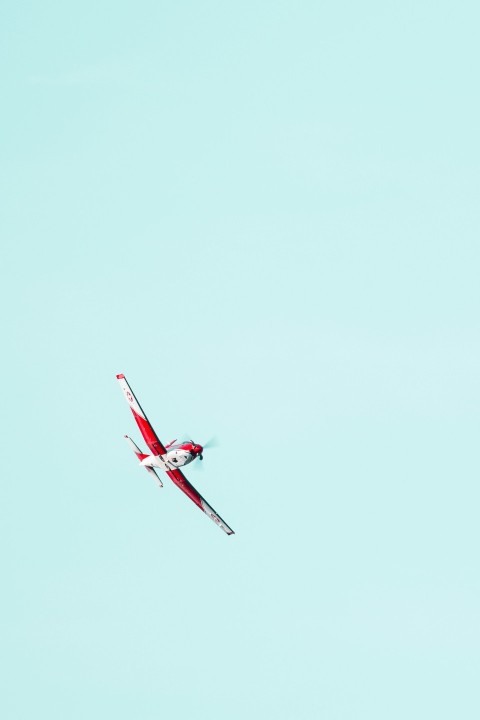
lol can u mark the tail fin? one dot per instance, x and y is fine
(141, 456)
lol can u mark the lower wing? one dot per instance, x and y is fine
(181, 481)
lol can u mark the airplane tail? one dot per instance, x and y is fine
(141, 456)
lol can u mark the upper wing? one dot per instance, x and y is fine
(181, 481)
(149, 434)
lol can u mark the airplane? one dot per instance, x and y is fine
(169, 457)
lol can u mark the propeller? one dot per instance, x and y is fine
(211, 443)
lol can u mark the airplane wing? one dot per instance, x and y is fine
(149, 434)
(181, 481)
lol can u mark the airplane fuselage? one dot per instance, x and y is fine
(175, 457)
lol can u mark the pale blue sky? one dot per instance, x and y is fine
(266, 215)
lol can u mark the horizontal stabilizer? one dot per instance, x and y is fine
(151, 470)
(141, 456)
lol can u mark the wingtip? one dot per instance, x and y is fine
(121, 376)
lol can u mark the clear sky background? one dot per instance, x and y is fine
(266, 215)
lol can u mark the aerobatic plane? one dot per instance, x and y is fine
(169, 457)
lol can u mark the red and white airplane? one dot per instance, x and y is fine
(169, 457)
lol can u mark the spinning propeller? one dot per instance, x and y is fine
(211, 443)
